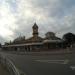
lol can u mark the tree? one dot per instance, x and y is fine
(0, 45)
(69, 38)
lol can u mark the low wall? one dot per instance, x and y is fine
(8, 64)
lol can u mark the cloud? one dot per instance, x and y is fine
(50, 15)
(18, 16)
(7, 22)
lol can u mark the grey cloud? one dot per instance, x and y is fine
(52, 13)
(55, 10)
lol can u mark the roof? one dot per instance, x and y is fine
(34, 39)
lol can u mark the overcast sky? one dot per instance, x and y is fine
(18, 16)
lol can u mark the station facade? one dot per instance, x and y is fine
(35, 43)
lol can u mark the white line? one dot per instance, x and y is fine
(54, 61)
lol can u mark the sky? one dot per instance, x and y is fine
(18, 16)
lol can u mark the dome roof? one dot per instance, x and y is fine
(50, 33)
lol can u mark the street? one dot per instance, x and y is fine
(61, 64)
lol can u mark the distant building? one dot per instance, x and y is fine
(35, 43)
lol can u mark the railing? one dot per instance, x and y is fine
(9, 65)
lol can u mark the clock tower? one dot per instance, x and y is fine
(35, 30)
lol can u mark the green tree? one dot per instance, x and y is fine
(69, 38)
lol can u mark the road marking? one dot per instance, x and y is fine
(72, 67)
(54, 61)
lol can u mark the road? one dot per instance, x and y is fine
(54, 64)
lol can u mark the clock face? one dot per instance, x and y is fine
(35, 30)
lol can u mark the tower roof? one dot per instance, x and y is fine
(35, 25)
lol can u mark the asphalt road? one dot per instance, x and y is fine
(61, 64)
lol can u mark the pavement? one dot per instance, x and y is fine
(3, 71)
(53, 64)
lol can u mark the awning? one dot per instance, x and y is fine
(22, 44)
